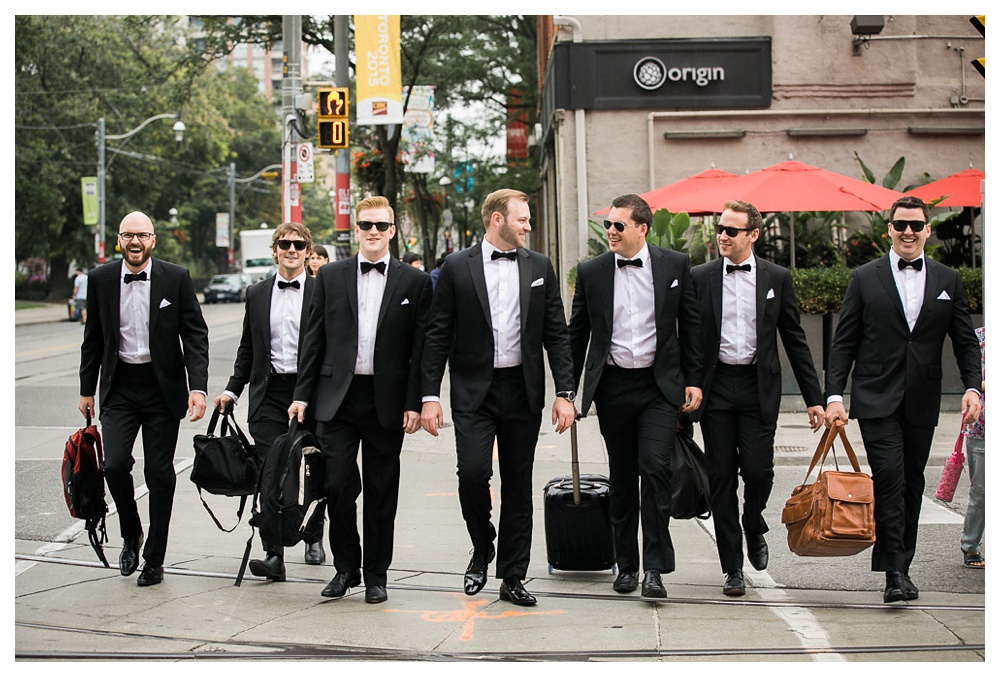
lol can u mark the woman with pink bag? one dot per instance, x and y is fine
(975, 447)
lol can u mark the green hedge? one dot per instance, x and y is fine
(821, 290)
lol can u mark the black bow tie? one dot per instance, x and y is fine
(630, 262)
(730, 268)
(132, 277)
(504, 255)
(916, 264)
(367, 267)
(294, 284)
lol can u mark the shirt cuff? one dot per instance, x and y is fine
(430, 398)
(303, 403)
(231, 395)
(834, 398)
(974, 390)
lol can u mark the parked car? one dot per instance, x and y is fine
(227, 288)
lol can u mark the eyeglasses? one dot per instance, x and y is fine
(382, 226)
(617, 225)
(730, 231)
(298, 244)
(915, 226)
(141, 237)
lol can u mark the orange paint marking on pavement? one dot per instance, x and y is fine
(470, 613)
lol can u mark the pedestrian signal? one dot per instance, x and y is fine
(332, 118)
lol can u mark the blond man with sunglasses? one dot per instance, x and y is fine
(897, 311)
(745, 304)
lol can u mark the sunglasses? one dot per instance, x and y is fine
(915, 226)
(730, 231)
(298, 244)
(617, 225)
(382, 226)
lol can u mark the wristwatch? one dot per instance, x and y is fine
(567, 395)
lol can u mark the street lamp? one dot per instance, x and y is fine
(102, 138)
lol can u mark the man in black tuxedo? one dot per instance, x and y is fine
(496, 305)
(359, 376)
(897, 310)
(146, 344)
(635, 307)
(267, 358)
(745, 302)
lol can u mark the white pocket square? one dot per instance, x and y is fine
(770, 293)
(674, 284)
(405, 302)
(944, 297)
(539, 282)
(164, 303)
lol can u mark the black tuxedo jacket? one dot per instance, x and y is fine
(889, 361)
(330, 346)
(178, 335)
(678, 360)
(253, 357)
(777, 313)
(460, 331)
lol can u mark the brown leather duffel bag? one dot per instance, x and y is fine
(835, 515)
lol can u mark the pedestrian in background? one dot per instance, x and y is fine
(317, 258)
(414, 259)
(80, 295)
(975, 447)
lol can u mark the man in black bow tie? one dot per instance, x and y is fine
(891, 333)
(745, 303)
(359, 377)
(267, 358)
(496, 305)
(635, 308)
(146, 342)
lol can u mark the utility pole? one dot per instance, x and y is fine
(343, 162)
(291, 86)
(232, 214)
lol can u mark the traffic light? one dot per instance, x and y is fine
(979, 22)
(332, 122)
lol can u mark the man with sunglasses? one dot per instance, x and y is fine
(267, 358)
(145, 348)
(496, 305)
(745, 303)
(359, 377)
(635, 308)
(897, 310)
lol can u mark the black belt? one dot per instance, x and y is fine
(507, 372)
(722, 366)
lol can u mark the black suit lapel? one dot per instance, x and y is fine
(351, 284)
(660, 283)
(392, 275)
(524, 273)
(715, 291)
(478, 274)
(606, 284)
(156, 287)
(262, 310)
(883, 270)
(932, 283)
(763, 288)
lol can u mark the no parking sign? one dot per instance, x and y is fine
(304, 163)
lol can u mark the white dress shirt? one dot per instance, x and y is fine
(286, 315)
(738, 338)
(633, 332)
(371, 288)
(133, 318)
(910, 284)
(504, 294)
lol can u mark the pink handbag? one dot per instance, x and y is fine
(952, 471)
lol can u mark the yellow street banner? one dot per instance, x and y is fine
(376, 44)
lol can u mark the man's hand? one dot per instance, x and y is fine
(431, 416)
(692, 399)
(411, 422)
(563, 414)
(816, 415)
(834, 411)
(297, 410)
(86, 405)
(221, 402)
(196, 406)
(972, 406)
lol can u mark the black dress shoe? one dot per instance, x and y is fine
(271, 567)
(314, 553)
(757, 551)
(652, 586)
(128, 561)
(341, 583)
(475, 574)
(512, 590)
(734, 587)
(893, 587)
(627, 581)
(909, 588)
(375, 594)
(149, 575)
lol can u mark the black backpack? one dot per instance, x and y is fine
(83, 484)
(290, 504)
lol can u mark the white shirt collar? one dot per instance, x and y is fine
(642, 255)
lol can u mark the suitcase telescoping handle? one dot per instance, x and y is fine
(575, 462)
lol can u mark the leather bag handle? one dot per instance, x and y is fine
(825, 444)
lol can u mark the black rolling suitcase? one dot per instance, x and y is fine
(578, 535)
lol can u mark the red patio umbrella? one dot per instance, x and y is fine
(959, 190)
(676, 196)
